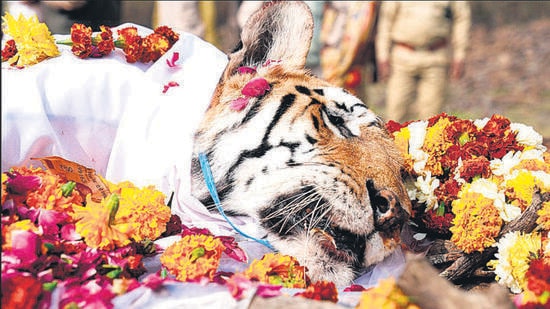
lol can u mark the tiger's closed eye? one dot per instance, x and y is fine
(337, 122)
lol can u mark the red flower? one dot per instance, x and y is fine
(433, 120)
(168, 33)
(82, 40)
(20, 291)
(478, 166)
(131, 43)
(538, 276)
(154, 46)
(104, 42)
(321, 290)
(10, 50)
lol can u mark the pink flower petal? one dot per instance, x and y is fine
(239, 104)
(20, 184)
(25, 245)
(232, 249)
(246, 70)
(170, 85)
(172, 62)
(268, 290)
(237, 284)
(256, 87)
(354, 288)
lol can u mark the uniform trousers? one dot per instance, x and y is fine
(417, 86)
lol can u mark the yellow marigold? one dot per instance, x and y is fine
(544, 216)
(436, 144)
(278, 269)
(145, 206)
(515, 251)
(401, 139)
(4, 188)
(520, 189)
(477, 222)
(100, 224)
(33, 40)
(386, 295)
(193, 257)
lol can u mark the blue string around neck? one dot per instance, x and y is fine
(209, 179)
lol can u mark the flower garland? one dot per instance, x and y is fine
(467, 179)
(31, 42)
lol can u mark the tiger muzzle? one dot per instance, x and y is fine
(389, 215)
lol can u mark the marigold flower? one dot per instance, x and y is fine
(520, 188)
(475, 167)
(130, 42)
(477, 222)
(436, 144)
(515, 251)
(386, 295)
(81, 37)
(278, 269)
(145, 207)
(168, 33)
(320, 290)
(193, 257)
(103, 43)
(154, 46)
(9, 50)
(100, 224)
(33, 40)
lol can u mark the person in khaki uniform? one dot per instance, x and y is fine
(419, 45)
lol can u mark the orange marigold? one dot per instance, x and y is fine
(193, 257)
(476, 224)
(278, 269)
(145, 207)
(100, 225)
(81, 35)
(51, 195)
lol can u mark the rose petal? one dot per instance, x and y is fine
(25, 245)
(239, 104)
(268, 290)
(172, 62)
(256, 87)
(246, 70)
(170, 85)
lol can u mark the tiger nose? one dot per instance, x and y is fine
(388, 213)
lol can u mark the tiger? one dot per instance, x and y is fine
(308, 161)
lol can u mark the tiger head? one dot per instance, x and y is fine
(311, 163)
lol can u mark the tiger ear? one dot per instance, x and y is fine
(279, 30)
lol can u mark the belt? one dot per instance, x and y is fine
(432, 47)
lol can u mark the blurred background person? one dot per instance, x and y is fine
(61, 15)
(419, 45)
(181, 16)
(347, 54)
(213, 21)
